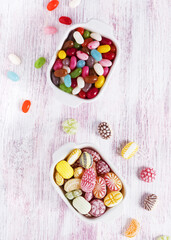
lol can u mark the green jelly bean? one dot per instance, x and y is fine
(77, 72)
(40, 62)
(77, 45)
(64, 88)
(86, 34)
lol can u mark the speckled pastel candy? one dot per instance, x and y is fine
(102, 167)
(148, 175)
(97, 208)
(129, 150)
(133, 229)
(64, 169)
(99, 190)
(164, 238)
(72, 184)
(70, 126)
(58, 179)
(73, 156)
(86, 160)
(88, 180)
(94, 154)
(88, 196)
(113, 182)
(81, 205)
(78, 172)
(113, 199)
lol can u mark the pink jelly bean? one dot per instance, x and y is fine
(81, 55)
(105, 63)
(85, 71)
(106, 71)
(71, 52)
(50, 30)
(58, 64)
(73, 62)
(93, 44)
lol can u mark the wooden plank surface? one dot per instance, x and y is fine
(137, 106)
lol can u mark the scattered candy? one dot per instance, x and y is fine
(78, 172)
(82, 205)
(70, 126)
(113, 199)
(72, 184)
(97, 208)
(104, 130)
(64, 169)
(102, 167)
(164, 238)
(150, 202)
(148, 175)
(86, 160)
(88, 196)
(88, 180)
(14, 59)
(133, 229)
(73, 156)
(58, 179)
(129, 150)
(99, 190)
(74, 3)
(52, 5)
(113, 182)
(50, 30)
(40, 62)
(65, 20)
(94, 154)
(12, 76)
(26, 106)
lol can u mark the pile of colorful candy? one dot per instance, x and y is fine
(88, 182)
(83, 63)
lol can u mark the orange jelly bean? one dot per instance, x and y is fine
(26, 106)
(52, 5)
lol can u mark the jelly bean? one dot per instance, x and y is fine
(80, 63)
(80, 30)
(80, 82)
(73, 156)
(100, 82)
(72, 184)
(92, 72)
(52, 5)
(68, 44)
(76, 45)
(67, 68)
(92, 92)
(93, 45)
(113, 198)
(58, 64)
(96, 36)
(86, 42)
(73, 63)
(60, 73)
(58, 179)
(66, 62)
(81, 205)
(105, 63)
(98, 69)
(90, 79)
(88, 180)
(12, 76)
(76, 90)
(106, 41)
(90, 62)
(65, 20)
(85, 50)
(104, 48)
(74, 82)
(86, 34)
(106, 71)
(14, 59)
(26, 106)
(77, 72)
(78, 37)
(85, 71)
(55, 80)
(64, 169)
(109, 55)
(78, 172)
(71, 52)
(50, 30)
(133, 229)
(82, 94)
(87, 87)
(81, 55)
(113, 182)
(70, 36)
(64, 88)
(97, 208)
(67, 80)
(74, 3)
(113, 48)
(129, 150)
(96, 55)
(70, 126)
(40, 62)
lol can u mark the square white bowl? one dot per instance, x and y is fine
(94, 26)
(61, 154)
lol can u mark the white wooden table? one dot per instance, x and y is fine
(137, 105)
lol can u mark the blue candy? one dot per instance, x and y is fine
(96, 55)
(12, 76)
(80, 64)
(67, 80)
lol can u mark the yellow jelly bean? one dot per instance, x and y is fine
(100, 81)
(103, 48)
(58, 179)
(64, 169)
(129, 150)
(73, 156)
(113, 199)
(78, 172)
(62, 54)
(72, 184)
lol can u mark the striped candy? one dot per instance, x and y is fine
(129, 150)
(133, 229)
(113, 199)
(99, 190)
(150, 202)
(94, 154)
(86, 160)
(72, 184)
(113, 182)
(73, 156)
(88, 180)
(58, 179)
(82, 205)
(64, 169)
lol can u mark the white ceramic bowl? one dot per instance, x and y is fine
(95, 26)
(61, 154)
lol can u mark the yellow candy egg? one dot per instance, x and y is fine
(64, 169)
(100, 81)
(62, 54)
(103, 48)
(129, 150)
(73, 156)
(113, 199)
(58, 179)
(72, 184)
(78, 172)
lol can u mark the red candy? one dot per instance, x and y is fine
(102, 167)
(97, 208)
(86, 42)
(95, 155)
(73, 82)
(58, 64)
(88, 180)
(92, 92)
(99, 190)
(109, 55)
(88, 196)
(148, 175)
(113, 48)
(105, 41)
(65, 20)
(52, 5)
(71, 51)
(26, 106)
(80, 30)
(82, 94)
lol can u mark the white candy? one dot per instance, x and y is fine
(74, 3)
(78, 37)
(14, 59)
(98, 69)
(82, 205)
(80, 82)
(96, 36)
(67, 68)
(76, 90)
(61, 80)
